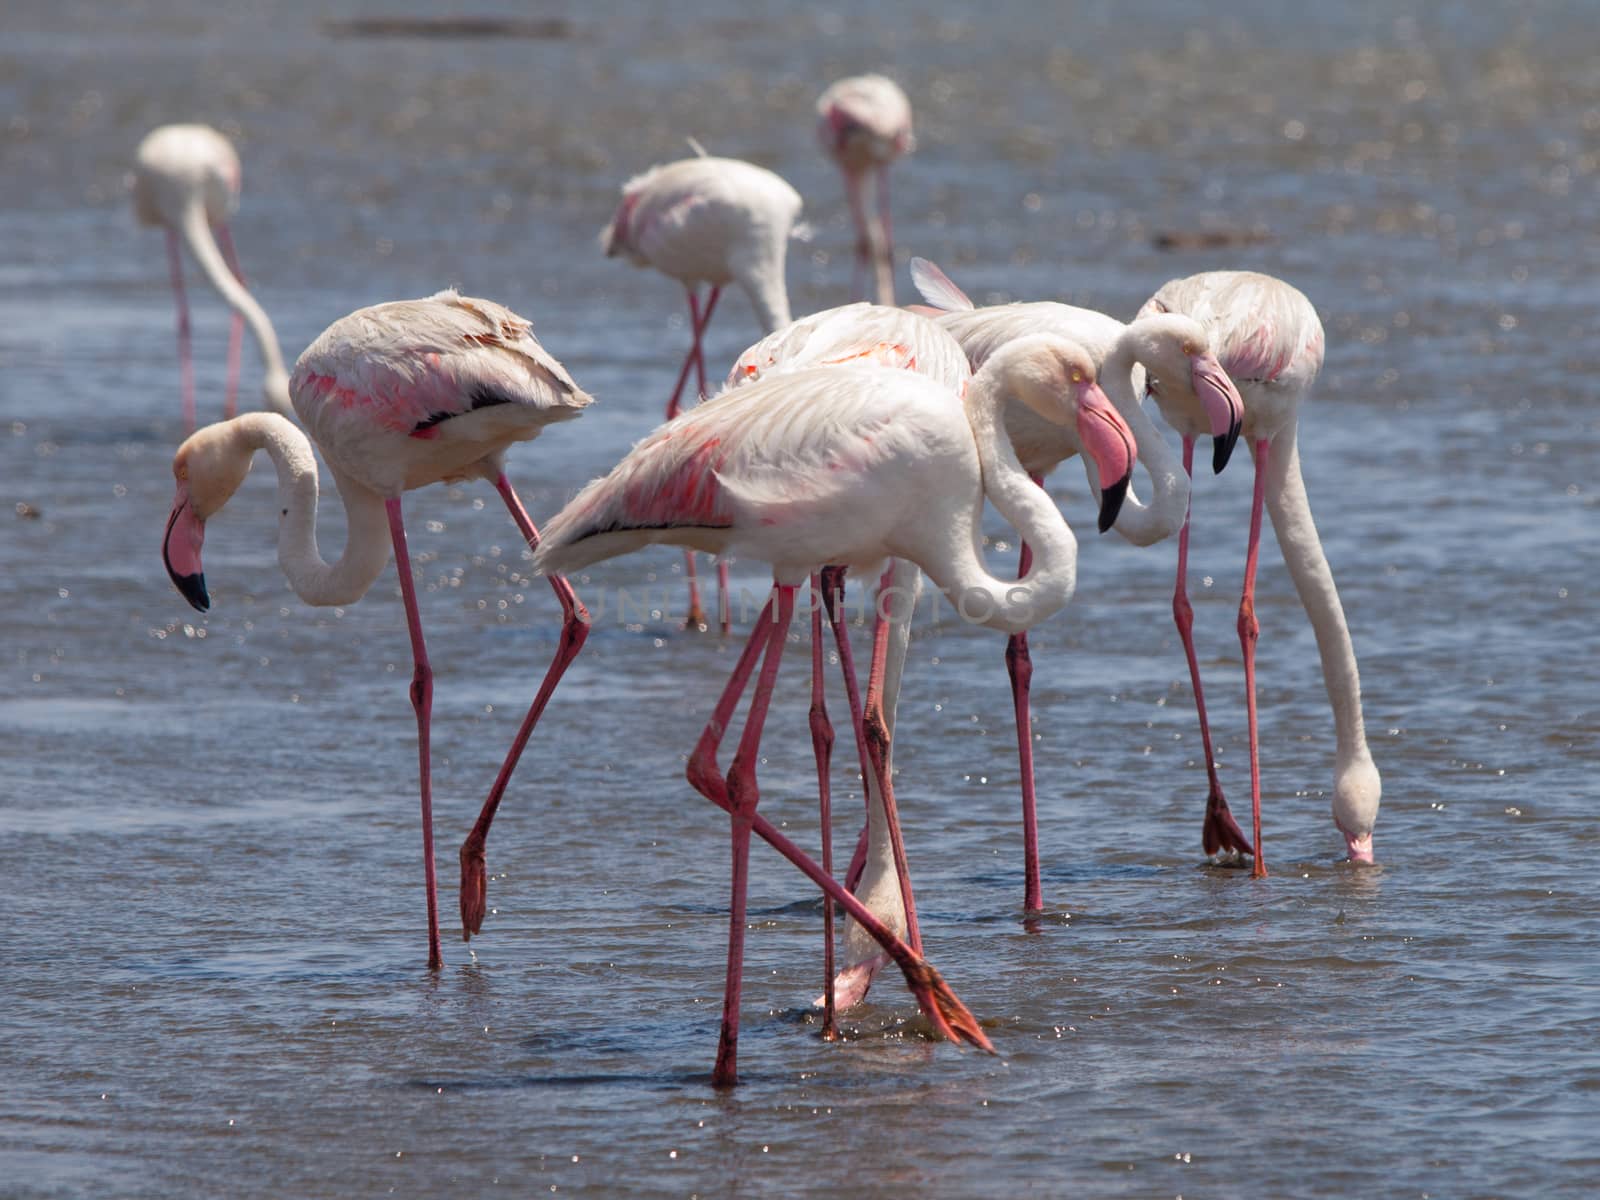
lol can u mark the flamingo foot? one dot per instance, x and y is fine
(474, 887)
(942, 1007)
(696, 621)
(1221, 832)
(851, 984)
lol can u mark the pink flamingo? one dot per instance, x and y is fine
(396, 396)
(714, 221)
(844, 465)
(856, 335)
(864, 125)
(1270, 340)
(186, 180)
(1171, 349)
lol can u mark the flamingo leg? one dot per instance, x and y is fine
(724, 603)
(941, 1006)
(1249, 634)
(1019, 665)
(822, 748)
(185, 355)
(574, 631)
(876, 728)
(696, 618)
(833, 598)
(1220, 831)
(230, 401)
(422, 701)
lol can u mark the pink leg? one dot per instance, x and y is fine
(822, 748)
(185, 356)
(1249, 634)
(422, 701)
(724, 598)
(832, 599)
(724, 616)
(876, 729)
(1019, 665)
(574, 630)
(938, 1002)
(230, 402)
(696, 618)
(1220, 831)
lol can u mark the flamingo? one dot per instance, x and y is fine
(714, 221)
(845, 465)
(1270, 340)
(1173, 353)
(186, 180)
(864, 125)
(853, 335)
(396, 396)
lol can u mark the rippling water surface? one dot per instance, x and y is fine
(213, 975)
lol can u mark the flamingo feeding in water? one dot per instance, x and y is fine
(186, 180)
(855, 335)
(1173, 353)
(864, 125)
(1270, 341)
(396, 396)
(842, 465)
(711, 221)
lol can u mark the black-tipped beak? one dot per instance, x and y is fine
(1111, 502)
(193, 588)
(1222, 448)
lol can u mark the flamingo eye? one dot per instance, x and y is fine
(1077, 375)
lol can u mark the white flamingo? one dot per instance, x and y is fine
(864, 125)
(1270, 340)
(186, 180)
(1171, 352)
(711, 221)
(842, 465)
(396, 396)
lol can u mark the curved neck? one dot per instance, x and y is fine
(1011, 606)
(763, 281)
(367, 544)
(1313, 580)
(196, 233)
(1141, 523)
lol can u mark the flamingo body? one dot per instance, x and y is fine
(853, 335)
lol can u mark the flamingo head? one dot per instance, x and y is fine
(1057, 379)
(1184, 376)
(1356, 792)
(208, 468)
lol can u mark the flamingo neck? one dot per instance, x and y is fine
(366, 549)
(196, 233)
(1139, 522)
(1009, 605)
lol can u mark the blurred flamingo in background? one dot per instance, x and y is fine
(396, 396)
(186, 180)
(864, 125)
(711, 221)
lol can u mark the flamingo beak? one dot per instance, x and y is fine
(180, 550)
(1223, 404)
(1106, 438)
(1360, 848)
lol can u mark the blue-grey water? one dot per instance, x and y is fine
(212, 974)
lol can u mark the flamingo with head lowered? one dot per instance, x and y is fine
(1270, 340)
(844, 465)
(864, 125)
(711, 221)
(186, 180)
(1171, 352)
(396, 396)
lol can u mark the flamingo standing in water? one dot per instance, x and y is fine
(864, 125)
(843, 465)
(1171, 352)
(186, 180)
(396, 396)
(856, 335)
(1270, 340)
(711, 221)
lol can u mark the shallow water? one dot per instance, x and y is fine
(214, 976)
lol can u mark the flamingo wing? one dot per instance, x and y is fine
(857, 335)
